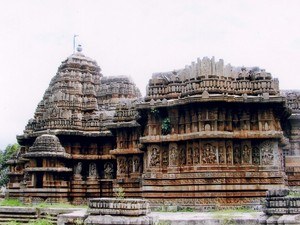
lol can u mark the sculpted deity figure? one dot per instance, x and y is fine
(221, 155)
(121, 165)
(78, 168)
(92, 170)
(267, 155)
(136, 165)
(229, 154)
(190, 156)
(236, 155)
(196, 156)
(209, 154)
(108, 170)
(130, 165)
(155, 157)
(165, 157)
(246, 154)
(256, 156)
(173, 157)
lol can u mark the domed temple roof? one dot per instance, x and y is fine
(47, 145)
(79, 100)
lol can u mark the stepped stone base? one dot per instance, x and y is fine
(108, 220)
(107, 211)
(120, 207)
(282, 208)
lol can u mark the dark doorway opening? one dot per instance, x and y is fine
(39, 180)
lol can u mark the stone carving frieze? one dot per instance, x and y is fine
(209, 76)
(209, 154)
(155, 156)
(92, 170)
(137, 165)
(122, 167)
(173, 154)
(292, 99)
(267, 154)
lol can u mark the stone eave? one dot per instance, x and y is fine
(125, 151)
(66, 132)
(213, 135)
(48, 169)
(16, 161)
(43, 191)
(213, 98)
(47, 154)
(93, 157)
(124, 124)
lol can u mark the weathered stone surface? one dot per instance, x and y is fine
(282, 207)
(204, 136)
(76, 217)
(117, 206)
(108, 220)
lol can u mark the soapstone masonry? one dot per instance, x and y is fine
(209, 134)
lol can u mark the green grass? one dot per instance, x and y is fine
(11, 202)
(12, 223)
(236, 210)
(225, 215)
(294, 194)
(40, 222)
(58, 205)
(36, 222)
(179, 209)
(16, 202)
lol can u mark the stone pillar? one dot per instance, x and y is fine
(294, 121)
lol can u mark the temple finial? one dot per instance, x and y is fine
(74, 42)
(79, 48)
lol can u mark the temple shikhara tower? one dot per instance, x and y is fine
(207, 134)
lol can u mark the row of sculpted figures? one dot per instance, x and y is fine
(213, 153)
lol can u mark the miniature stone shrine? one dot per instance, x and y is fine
(205, 135)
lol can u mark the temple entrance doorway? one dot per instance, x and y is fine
(39, 180)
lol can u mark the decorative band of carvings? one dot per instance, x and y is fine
(115, 206)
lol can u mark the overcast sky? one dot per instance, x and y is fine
(137, 38)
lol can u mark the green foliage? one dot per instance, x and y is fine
(166, 126)
(163, 223)
(294, 194)
(35, 222)
(41, 222)
(155, 111)
(11, 202)
(187, 209)
(78, 221)
(5, 155)
(13, 222)
(119, 192)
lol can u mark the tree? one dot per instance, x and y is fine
(5, 155)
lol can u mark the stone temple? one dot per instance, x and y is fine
(208, 134)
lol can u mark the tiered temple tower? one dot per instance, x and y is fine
(66, 146)
(204, 135)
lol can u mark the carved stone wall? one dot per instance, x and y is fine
(213, 77)
(208, 134)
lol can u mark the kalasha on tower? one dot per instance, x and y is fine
(205, 135)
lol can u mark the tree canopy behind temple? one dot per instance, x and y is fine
(5, 155)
